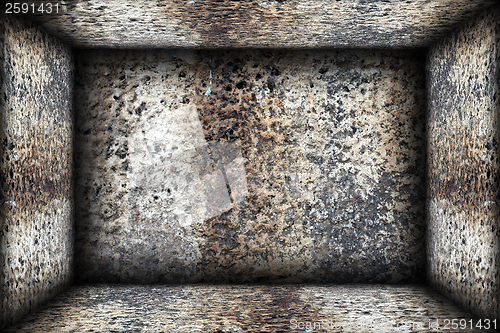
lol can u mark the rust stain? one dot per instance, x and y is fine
(274, 214)
(217, 30)
(232, 113)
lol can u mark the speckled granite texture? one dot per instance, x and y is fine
(258, 24)
(222, 308)
(250, 166)
(36, 126)
(463, 168)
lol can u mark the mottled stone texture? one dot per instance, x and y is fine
(36, 235)
(257, 308)
(281, 166)
(257, 23)
(463, 166)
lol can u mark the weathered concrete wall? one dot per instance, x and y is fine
(257, 23)
(250, 166)
(463, 166)
(36, 235)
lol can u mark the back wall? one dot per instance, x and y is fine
(250, 166)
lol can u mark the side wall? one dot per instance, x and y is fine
(462, 208)
(36, 235)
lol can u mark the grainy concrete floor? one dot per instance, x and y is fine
(249, 308)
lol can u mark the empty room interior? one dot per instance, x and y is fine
(256, 165)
